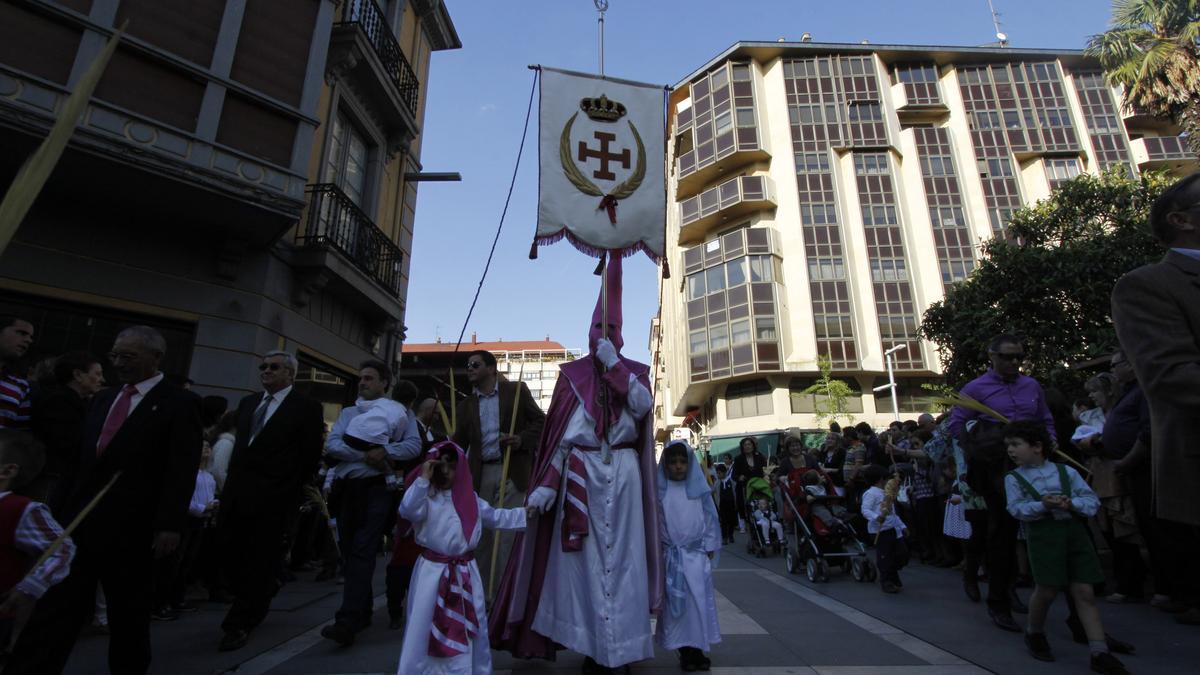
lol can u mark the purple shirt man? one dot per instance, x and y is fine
(1017, 398)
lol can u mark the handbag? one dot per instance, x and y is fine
(955, 523)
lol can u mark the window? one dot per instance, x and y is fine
(807, 403)
(937, 165)
(748, 399)
(870, 164)
(764, 329)
(723, 123)
(718, 337)
(865, 111)
(695, 285)
(739, 332)
(762, 268)
(346, 159)
(824, 269)
(886, 269)
(697, 342)
(745, 117)
(812, 162)
(715, 276)
(910, 396)
(736, 271)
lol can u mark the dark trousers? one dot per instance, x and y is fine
(252, 547)
(891, 555)
(364, 513)
(929, 526)
(1183, 549)
(172, 573)
(976, 546)
(398, 578)
(729, 519)
(124, 570)
(1152, 531)
(1001, 553)
(1129, 570)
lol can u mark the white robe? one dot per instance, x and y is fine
(436, 526)
(596, 601)
(686, 521)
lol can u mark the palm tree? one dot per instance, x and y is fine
(1152, 51)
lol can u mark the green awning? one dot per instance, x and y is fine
(768, 444)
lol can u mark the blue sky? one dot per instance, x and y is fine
(476, 107)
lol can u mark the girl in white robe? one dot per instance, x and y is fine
(691, 536)
(447, 518)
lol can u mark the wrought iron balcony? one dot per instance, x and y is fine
(367, 16)
(334, 221)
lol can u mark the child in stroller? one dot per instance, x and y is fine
(767, 532)
(827, 512)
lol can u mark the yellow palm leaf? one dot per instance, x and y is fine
(37, 169)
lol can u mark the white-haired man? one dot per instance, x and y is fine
(277, 450)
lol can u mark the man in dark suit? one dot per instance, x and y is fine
(484, 419)
(279, 437)
(142, 440)
(1156, 310)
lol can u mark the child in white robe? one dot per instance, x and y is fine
(447, 518)
(691, 536)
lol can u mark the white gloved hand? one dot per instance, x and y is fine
(542, 499)
(607, 353)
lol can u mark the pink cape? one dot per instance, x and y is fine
(510, 624)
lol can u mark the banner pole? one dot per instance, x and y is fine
(601, 7)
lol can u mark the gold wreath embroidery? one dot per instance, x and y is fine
(587, 187)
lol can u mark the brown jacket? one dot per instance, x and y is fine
(530, 419)
(1156, 309)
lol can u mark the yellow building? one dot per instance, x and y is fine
(821, 196)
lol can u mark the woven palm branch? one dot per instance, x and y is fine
(952, 399)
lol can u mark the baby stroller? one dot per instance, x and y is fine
(759, 489)
(818, 545)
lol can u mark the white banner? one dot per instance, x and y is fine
(602, 150)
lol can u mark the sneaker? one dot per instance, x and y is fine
(1039, 646)
(164, 614)
(1106, 663)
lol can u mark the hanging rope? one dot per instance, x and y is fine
(503, 213)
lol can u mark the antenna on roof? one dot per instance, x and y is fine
(1001, 36)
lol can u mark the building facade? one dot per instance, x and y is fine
(244, 179)
(534, 362)
(821, 196)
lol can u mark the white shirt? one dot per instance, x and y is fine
(142, 388)
(872, 503)
(489, 423)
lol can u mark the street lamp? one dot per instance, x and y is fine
(887, 356)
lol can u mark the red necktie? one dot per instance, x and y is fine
(116, 417)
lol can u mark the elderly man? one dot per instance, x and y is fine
(16, 336)
(1156, 310)
(277, 449)
(366, 503)
(1017, 397)
(141, 442)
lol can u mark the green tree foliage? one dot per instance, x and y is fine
(831, 395)
(1050, 280)
(1152, 51)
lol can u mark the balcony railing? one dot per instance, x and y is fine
(371, 20)
(334, 221)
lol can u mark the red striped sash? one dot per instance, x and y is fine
(454, 620)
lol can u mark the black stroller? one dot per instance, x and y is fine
(818, 545)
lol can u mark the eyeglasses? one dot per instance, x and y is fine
(263, 367)
(121, 356)
(1009, 357)
(474, 365)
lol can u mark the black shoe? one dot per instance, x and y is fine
(339, 633)
(971, 588)
(325, 575)
(1189, 618)
(233, 639)
(1015, 604)
(164, 614)
(891, 588)
(703, 663)
(220, 596)
(1107, 664)
(687, 660)
(1004, 620)
(396, 623)
(1038, 646)
(590, 667)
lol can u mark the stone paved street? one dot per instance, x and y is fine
(772, 622)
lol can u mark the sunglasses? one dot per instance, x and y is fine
(269, 366)
(474, 365)
(1009, 357)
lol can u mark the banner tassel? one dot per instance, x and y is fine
(666, 269)
(600, 265)
(533, 251)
